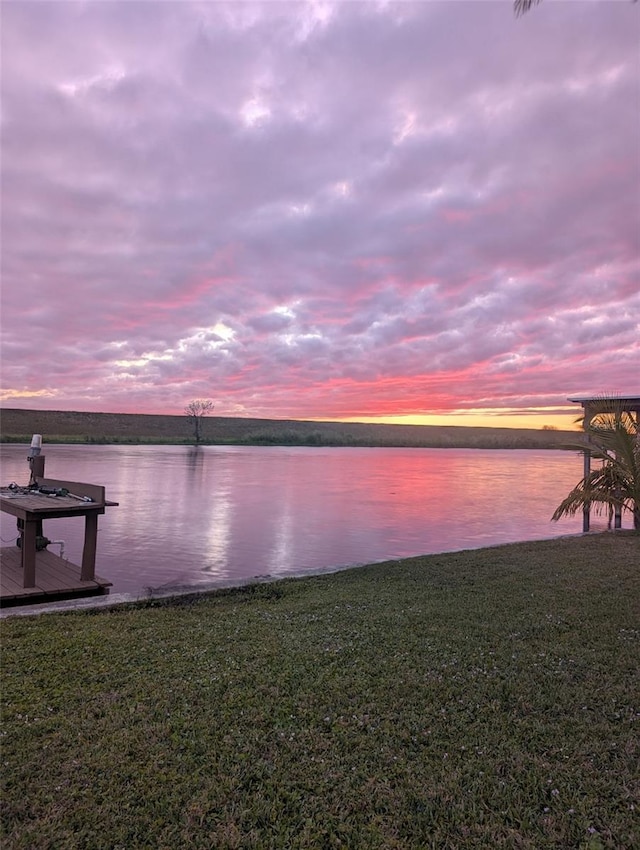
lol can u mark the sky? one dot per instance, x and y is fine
(371, 211)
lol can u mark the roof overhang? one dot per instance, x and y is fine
(630, 402)
(594, 404)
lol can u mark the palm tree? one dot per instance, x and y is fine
(613, 437)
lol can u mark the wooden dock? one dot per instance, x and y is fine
(55, 579)
(30, 573)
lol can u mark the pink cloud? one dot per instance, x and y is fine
(399, 209)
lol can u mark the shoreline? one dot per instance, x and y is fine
(211, 589)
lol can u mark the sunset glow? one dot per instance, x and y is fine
(565, 420)
(425, 213)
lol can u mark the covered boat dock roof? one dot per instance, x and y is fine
(594, 404)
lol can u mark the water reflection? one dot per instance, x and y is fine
(190, 515)
(195, 458)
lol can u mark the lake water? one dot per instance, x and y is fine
(188, 516)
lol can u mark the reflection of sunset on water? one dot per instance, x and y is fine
(188, 516)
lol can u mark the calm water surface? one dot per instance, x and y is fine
(188, 516)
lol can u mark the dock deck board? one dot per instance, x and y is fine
(55, 579)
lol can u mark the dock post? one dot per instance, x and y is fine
(29, 532)
(586, 510)
(88, 570)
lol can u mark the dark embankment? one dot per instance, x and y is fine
(71, 426)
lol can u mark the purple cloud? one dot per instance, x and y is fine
(319, 210)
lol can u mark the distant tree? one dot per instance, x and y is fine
(196, 410)
(549, 428)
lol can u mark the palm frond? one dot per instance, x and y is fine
(603, 488)
(522, 6)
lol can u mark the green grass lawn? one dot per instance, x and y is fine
(478, 699)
